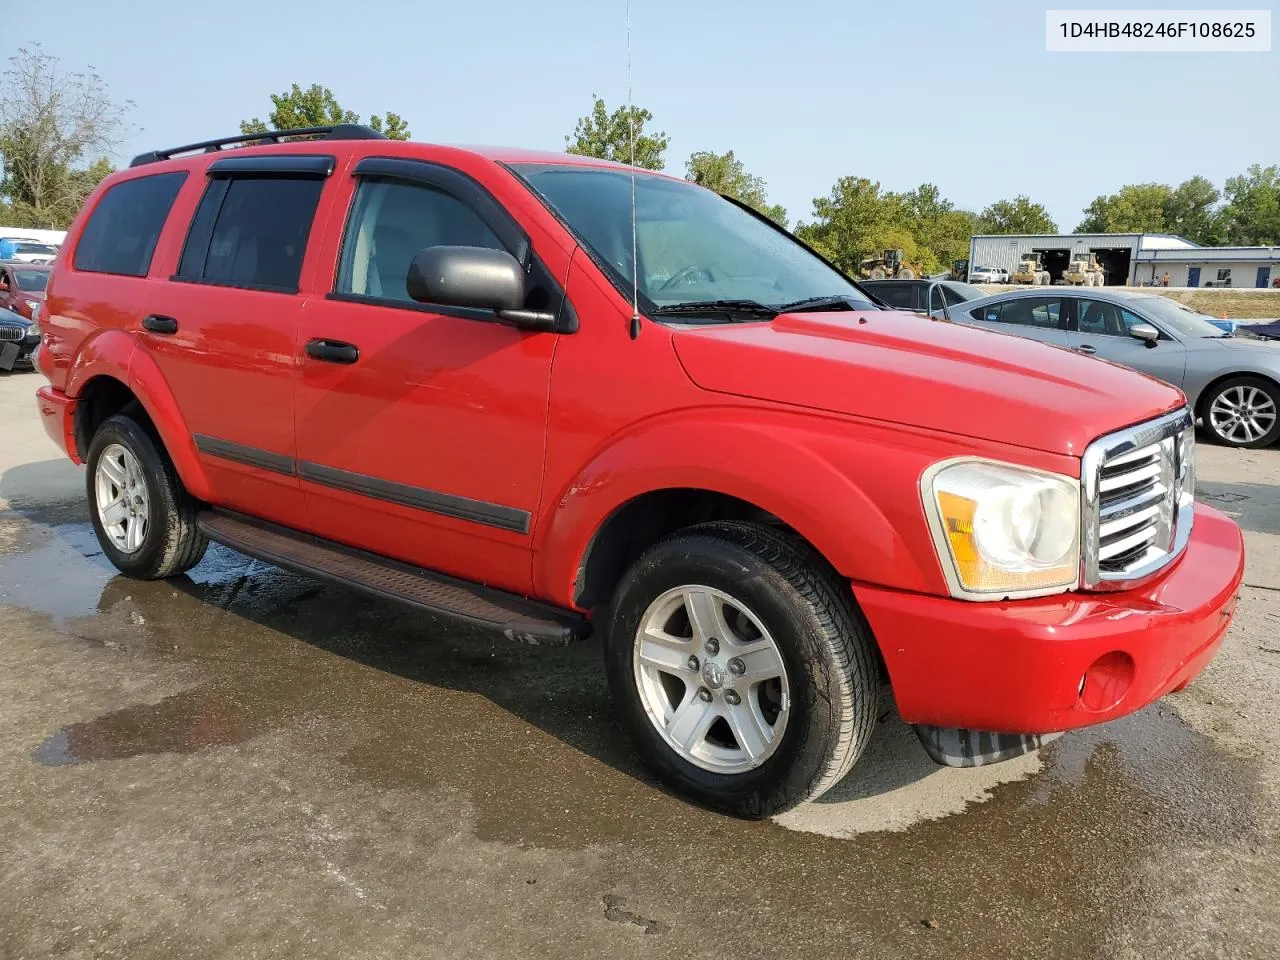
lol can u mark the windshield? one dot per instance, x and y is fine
(41, 248)
(32, 280)
(966, 291)
(693, 246)
(1185, 321)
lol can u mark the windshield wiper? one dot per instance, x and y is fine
(836, 302)
(717, 306)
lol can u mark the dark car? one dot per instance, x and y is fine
(911, 294)
(19, 338)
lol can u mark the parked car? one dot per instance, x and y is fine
(551, 395)
(22, 287)
(1231, 382)
(988, 275)
(27, 251)
(19, 338)
(911, 294)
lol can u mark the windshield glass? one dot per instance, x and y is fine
(32, 280)
(693, 246)
(41, 248)
(1184, 321)
(966, 291)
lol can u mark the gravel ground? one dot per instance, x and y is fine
(241, 763)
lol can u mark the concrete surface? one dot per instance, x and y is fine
(242, 763)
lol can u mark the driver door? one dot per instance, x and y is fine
(1101, 328)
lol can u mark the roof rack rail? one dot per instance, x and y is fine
(342, 131)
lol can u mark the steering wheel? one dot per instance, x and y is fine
(690, 274)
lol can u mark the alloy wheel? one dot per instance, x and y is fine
(121, 493)
(1242, 414)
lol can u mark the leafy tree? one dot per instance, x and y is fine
(316, 106)
(850, 222)
(1135, 208)
(724, 173)
(608, 136)
(51, 121)
(1018, 215)
(1252, 211)
(1192, 211)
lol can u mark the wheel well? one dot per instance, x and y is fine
(1207, 393)
(640, 523)
(104, 397)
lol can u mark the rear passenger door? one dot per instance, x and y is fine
(1036, 318)
(223, 329)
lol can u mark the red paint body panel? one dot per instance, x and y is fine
(825, 420)
(1016, 667)
(57, 414)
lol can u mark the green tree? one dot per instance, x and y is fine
(1018, 215)
(1252, 211)
(854, 221)
(316, 106)
(1192, 211)
(51, 122)
(1134, 208)
(725, 174)
(608, 136)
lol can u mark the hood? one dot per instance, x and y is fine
(11, 318)
(903, 368)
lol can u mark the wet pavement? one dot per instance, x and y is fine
(244, 763)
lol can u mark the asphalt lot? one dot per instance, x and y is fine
(241, 763)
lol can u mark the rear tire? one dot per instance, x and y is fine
(142, 514)
(1242, 412)
(763, 590)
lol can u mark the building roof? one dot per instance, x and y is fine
(1210, 254)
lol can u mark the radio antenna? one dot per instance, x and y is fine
(631, 126)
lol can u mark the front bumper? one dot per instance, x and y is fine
(58, 414)
(1020, 667)
(18, 353)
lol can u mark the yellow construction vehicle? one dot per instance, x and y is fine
(960, 270)
(890, 266)
(1085, 271)
(1031, 270)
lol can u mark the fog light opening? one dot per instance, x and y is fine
(1106, 681)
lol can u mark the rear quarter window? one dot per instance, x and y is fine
(121, 234)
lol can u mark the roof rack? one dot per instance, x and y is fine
(342, 131)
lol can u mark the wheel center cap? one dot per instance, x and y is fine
(713, 675)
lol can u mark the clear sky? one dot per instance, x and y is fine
(961, 94)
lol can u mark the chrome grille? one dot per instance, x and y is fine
(1138, 499)
(12, 333)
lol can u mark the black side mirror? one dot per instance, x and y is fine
(477, 277)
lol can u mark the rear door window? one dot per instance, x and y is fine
(897, 294)
(121, 234)
(252, 232)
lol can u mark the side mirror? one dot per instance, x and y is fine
(476, 277)
(1145, 332)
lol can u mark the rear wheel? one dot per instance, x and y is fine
(1243, 412)
(743, 671)
(143, 516)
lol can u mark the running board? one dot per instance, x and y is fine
(516, 617)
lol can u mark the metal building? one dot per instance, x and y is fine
(1117, 252)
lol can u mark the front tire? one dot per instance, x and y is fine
(742, 669)
(1243, 412)
(142, 514)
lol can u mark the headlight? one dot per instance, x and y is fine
(1002, 530)
(32, 304)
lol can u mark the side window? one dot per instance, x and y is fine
(1131, 320)
(251, 232)
(1043, 312)
(953, 296)
(1100, 318)
(990, 313)
(122, 231)
(391, 221)
(897, 294)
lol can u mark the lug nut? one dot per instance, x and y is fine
(693, 664)
(713, 646)
(731, 697)
(704, 694)
(737, 667)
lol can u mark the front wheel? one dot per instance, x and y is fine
(741, 667)
(1243, 412)
(142, 514)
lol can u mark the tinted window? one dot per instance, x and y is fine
(32, 280)
(392, 221)
(122, 231)
(1043, 312)
(259, 232)
(896, 294)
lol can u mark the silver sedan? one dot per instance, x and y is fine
(1232, 382)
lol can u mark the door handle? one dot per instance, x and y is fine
(1087, 348)
(333, 351)
(158, 324)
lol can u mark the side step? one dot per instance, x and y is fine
(518, 618)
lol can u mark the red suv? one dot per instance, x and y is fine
(553, 395)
